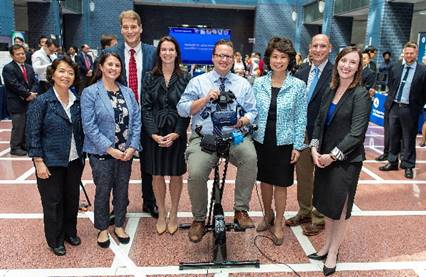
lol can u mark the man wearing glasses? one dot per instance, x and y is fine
(197, 101)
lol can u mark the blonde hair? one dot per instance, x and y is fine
(130, 14)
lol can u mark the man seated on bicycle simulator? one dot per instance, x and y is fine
(220, 102)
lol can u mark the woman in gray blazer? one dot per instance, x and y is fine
(338, 151)
(112, 125)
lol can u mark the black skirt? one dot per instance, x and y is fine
(333, 185)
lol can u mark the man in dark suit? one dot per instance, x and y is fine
(138, 58)
(21, 87)
(85, 64)
(406, 98)
(317, 78)
(368, 76)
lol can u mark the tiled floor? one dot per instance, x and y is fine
(386, 236)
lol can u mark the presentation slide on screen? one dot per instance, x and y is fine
(196, 44)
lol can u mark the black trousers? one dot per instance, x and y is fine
(147, 192)
(110, 174)
(60, 195)
(43, 86)
(17, 137)
(386, 133)
(402, 125)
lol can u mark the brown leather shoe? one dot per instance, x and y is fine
(298, 220)
(312, 229)
(196, 231)
(243, 220)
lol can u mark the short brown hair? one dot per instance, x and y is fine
(14, 48)
(411, 44)
(106, 40)
(130, 14)
(52, 68)
(335, 80)
(283, 45)
(223, 42)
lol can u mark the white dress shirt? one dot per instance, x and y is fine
(41, 61)
(139, 63)
(67, 108)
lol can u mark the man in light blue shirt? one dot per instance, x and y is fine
(196, 101)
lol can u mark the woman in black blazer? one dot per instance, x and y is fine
(338, 151)
(164, 141)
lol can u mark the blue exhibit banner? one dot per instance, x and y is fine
(378, 109)
(422, 46)
(196, 44)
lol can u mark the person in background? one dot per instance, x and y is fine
(368, 77)
(112, 124)
(371, 50)
(55, 141)
(108, 41)
(41, 59)
(85, 63)
(281, 121)
(384, 69)
(165, 131)
(20, 41)
(21, 89)
(338, 151)
(239, 65)
(72, 52)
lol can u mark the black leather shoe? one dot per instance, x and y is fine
(151, 209)
(327, 271)
(73, 240)
(409, 173)
(18, 152)
(382, 158)
(389, 167)
(315, 256)
(122, 240)
(59, 251)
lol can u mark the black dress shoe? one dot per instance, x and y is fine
(315, 256)
(18, 152)
(151, 209)
(382, 158)
(73, 240)
(59, 251)
(122, 240)
(328, 270)
(103, 244)
(389, 167)
(409, 173)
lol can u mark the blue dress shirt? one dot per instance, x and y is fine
(405, 98)
(200, 86)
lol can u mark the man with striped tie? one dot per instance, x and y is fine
(406, 98)
(197, 101)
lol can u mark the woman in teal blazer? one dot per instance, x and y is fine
(281, 103)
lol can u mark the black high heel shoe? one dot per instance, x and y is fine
(315, 256)
(103, 244)
(327, 271)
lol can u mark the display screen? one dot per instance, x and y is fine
(196, 44)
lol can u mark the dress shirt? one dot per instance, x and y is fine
(200, 86)
(41, 61)
(311, 73)
(139, 63)
(67, 109)
(405, 98)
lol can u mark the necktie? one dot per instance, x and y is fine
(87, 62)
(24, 72)
(222, 84)
(133, 74)
(313, 84)
(401, 86)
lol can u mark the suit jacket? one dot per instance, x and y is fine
(17, 90)
(99, 121)
(148, 60)
(80, 60)
(49, 129)
(348, 124)
(368, 78)
(314, 103)
(417, 90)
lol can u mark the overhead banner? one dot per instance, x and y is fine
(422, 46)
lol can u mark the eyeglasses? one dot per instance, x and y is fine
(223, 56)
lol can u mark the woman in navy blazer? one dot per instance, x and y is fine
(281, 103)
(55, 141)
(112, 125)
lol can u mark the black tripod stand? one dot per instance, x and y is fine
(216, 223)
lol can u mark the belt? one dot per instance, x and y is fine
(101, 157)
(402, 105)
